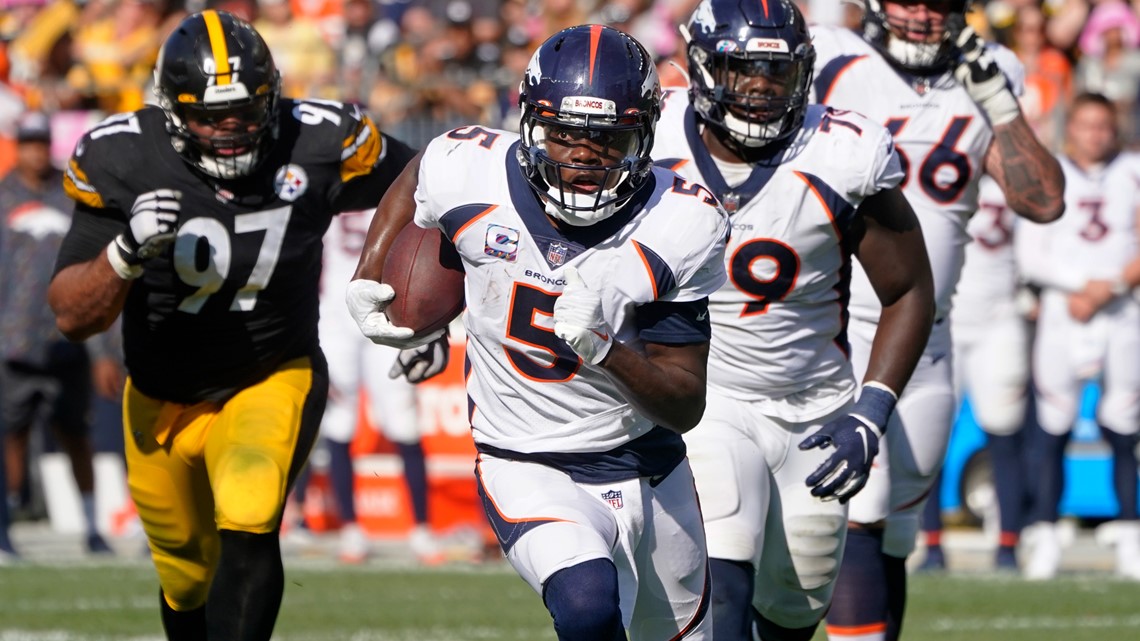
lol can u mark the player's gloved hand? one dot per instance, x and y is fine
(578, 319)
(856, 441)
(979, 73)
(367, 300)
(153, 226)
(421, 363)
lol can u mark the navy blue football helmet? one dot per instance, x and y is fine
(750, 68)
(888, 36)
(595, 83)
(215, 63)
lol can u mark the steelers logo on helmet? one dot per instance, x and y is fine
(916, 36)
(750, 68)
(592, 92)
(217, 84)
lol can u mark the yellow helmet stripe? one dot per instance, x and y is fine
(218, 46)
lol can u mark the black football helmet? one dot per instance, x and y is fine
(918, 58)
(750, 68)
(592, 82)
(216, 64)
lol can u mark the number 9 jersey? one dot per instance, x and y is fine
(235, 295)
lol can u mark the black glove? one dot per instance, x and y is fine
(421, 363)
(979, 73)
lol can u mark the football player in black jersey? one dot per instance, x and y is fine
(201, 221)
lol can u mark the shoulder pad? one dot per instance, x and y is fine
(109, 153)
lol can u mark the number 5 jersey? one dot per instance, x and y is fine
(654, 262)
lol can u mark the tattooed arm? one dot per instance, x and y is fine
(1028, 174)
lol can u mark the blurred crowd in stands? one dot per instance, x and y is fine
(422, 66)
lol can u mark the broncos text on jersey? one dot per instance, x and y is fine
(528, 391)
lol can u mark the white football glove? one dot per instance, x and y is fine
(153, 226)
(421, 363)
(367, 300)
(578, 320)
(979, 73)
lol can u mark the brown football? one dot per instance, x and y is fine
(427, 274)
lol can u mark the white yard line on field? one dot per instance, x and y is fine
(958, 624)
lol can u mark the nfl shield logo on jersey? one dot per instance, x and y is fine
(613, 497)
(731, 202)
(556, 254)
(290, 182)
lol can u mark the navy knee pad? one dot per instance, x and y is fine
(583, 601)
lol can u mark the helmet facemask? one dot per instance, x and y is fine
(593, 191)
(217, 84)
(246, 126)
(754, 98)
(919, 46)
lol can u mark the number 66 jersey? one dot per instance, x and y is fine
(235, 296)
(528, 392)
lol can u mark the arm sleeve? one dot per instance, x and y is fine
(91, 231)
(672, 323)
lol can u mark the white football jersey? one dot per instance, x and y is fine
(942, 137)
(988, 288)
(344, 241)
(1096, 237)
(528, 391)
(779, 322)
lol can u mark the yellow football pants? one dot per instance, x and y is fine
(195, 469)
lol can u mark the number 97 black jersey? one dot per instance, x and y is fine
(235, 295)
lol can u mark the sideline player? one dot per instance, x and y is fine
(602, 266)
(201, 221)
(991, 368)
(354, 362)
(939, 89)
(1088, 266)
(805, 186)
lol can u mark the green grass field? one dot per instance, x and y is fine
(118, 602)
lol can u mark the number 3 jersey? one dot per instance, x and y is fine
(653, 263)
(779, 322)
(236, 293)
(942, 138)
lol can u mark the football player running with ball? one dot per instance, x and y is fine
(201, 221)
(602, 266)
(805, 186)
(949, 100)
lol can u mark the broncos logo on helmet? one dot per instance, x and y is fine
(215, 74)
(750, 68)
(588, 83)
